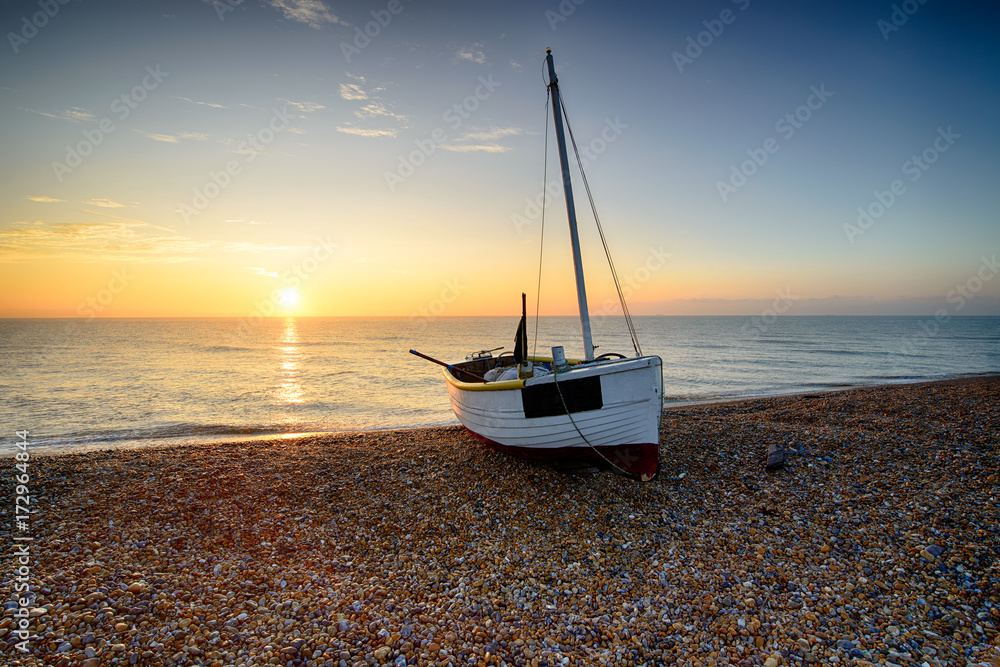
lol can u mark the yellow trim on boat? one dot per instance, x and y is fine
(503, 385)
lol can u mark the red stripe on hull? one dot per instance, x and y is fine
(641, 460)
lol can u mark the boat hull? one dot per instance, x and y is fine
(607, 413)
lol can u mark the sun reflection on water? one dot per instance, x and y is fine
(289, 388)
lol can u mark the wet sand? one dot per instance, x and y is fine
(878, 543)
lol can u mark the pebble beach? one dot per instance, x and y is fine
(877, 543)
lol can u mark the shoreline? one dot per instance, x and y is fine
(878, 545)
(198, 440)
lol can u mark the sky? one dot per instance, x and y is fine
(322, 158)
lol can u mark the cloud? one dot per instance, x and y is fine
(373, 109)
(174, 138)
(111, 239)
(304, 107)
(361, 132)
(516, 66)
(45, 199)
(74, 114)
(472, 53)
(482, 141)
(167, 138)
(473, 148)
(491, 134)
(207, 104)
(104, 202)
(260, 271)
(378, 109)
(352, 91)
(311, 12)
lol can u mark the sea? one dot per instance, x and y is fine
(85, 384)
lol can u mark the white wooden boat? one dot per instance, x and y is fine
(604, 410)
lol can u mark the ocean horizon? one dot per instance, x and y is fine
(85, 384)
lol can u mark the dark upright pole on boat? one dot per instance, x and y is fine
(524, 326)
(574, 236)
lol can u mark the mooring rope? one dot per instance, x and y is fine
(555, 380)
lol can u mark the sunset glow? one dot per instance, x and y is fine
(263, 159)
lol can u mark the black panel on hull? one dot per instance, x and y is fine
(580, 396)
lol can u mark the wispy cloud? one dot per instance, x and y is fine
(352, 91)
(304, 107)
(45, 199)
(207, 104)
(362, 132)
(378, 109)
(104, 202)
(472, 53)
(311, 12)
(260, 271)
(491, 134)
(475, 148)
(167, 138)
(111, 240)
(174, 138)
(74, 114)
(482, 141)
(374, 109)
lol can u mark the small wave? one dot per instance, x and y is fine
(225, 348)
(177, 430)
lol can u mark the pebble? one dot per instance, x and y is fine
(424, 547)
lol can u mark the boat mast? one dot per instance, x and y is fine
(574, 236)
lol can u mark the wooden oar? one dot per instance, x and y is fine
(475, 377)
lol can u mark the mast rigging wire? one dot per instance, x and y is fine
(600, 229)
(541, 240)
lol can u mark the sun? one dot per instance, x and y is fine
(289, 298)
